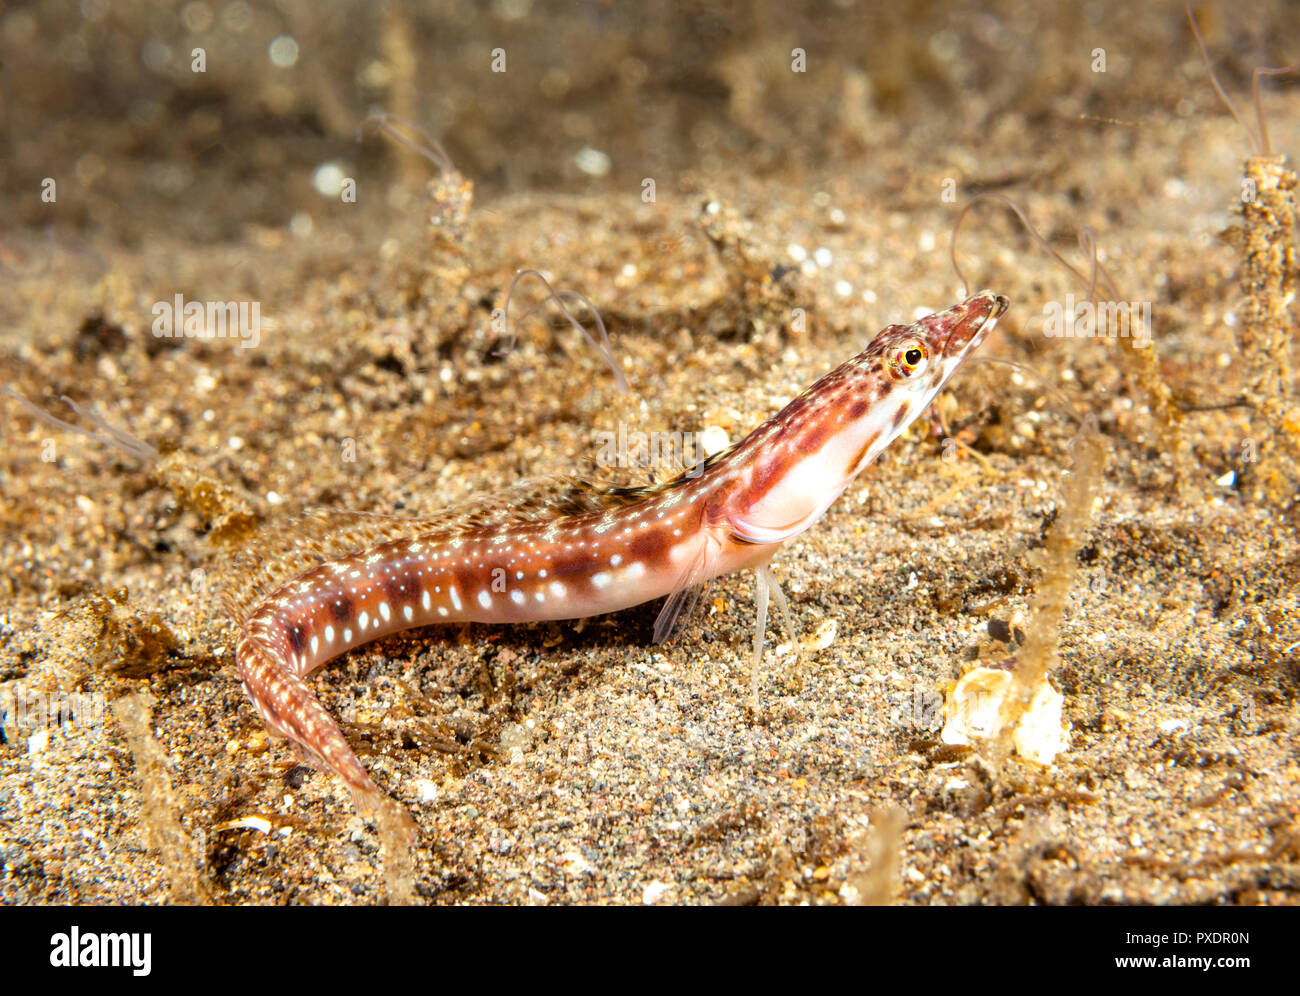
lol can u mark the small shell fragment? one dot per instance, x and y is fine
(824, 635)
(971, 712)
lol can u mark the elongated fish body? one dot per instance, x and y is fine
(632, 548)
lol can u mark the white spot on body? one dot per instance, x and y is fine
(485, 600)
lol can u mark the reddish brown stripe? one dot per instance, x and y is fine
(862, 453)
(647, 545)
(398, 589)
(812, 440)
(768, 472)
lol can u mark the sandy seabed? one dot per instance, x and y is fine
(579, 762)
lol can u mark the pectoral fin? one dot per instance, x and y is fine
(680, 606)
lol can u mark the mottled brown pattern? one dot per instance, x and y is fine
(586, 552)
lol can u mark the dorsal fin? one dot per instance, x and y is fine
(288, 547)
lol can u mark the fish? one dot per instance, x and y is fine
(587, 552)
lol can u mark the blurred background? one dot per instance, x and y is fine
(104, 95)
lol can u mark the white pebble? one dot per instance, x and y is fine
(654, 892)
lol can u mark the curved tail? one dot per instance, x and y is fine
(290, 709)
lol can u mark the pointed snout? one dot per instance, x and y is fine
(950, 333)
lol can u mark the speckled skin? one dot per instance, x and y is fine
(735, 514)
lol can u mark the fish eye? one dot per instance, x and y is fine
(908, 361)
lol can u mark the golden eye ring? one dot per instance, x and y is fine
(908, 360)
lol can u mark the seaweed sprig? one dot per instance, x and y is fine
(1270, 267)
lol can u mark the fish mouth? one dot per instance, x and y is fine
(971, 321)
